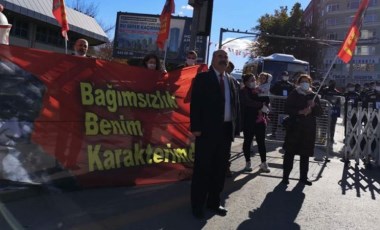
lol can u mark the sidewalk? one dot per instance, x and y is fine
(341, 197)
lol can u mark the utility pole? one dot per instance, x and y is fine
(195, 23)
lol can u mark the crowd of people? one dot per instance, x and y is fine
(215, 120)
(221, 108)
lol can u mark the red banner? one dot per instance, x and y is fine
(59, 12)
(103, 123)
(163, 33)
(348, 47)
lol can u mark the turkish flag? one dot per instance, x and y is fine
(348, 47)
(59, 13)
(163, 34)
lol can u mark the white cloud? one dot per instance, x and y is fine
(180, 13)
(187, 7)
(238, 44)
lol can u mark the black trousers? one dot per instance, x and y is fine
(257, 130)
(210, 164)
(288, 165)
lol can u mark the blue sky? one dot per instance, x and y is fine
(236, 14)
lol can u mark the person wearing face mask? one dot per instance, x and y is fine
(283, 87)
(191, 58)
(152, 62)
(303, 107)
(251, 104)
(350, 95)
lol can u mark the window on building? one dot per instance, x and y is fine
(332, 7)
(20, 28)
(354, 4)
(332, 36)
(367, 34)
(370, 18)
(364, 67)
(331, 22)
(49, 36)
(372, 3)
(348, 20)
(365, 50)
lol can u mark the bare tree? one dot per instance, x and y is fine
(91, 9)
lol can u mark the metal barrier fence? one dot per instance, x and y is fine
(276, 132)
(362, 131)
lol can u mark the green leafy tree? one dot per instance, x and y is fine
(279, 33)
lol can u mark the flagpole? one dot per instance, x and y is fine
(325, 77)
(65, 46)
(166, 50)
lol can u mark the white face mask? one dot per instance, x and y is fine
(252, 85)
(190, 61)
(304, 85)
(350, 89)
(4, 35)
(151, 66)
(285, 78)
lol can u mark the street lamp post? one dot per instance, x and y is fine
(222, 30)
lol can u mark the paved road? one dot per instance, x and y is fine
(342, 197)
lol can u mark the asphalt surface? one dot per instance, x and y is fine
(343, 196)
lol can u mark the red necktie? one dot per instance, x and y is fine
(221, 83)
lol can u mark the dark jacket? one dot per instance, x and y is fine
(207, 104)
(334, 97)
(251, 103)
(301, 131)
(282, 88)
(371, 96)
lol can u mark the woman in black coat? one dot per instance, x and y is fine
(251, 104)
(301, 127)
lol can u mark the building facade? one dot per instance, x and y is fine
(333, 18)
(34, 26)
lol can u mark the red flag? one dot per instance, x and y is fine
(163, 34)
(59, 13)
(348, 47)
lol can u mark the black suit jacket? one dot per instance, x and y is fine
(207, 104)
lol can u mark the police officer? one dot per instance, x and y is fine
(331, 94)
(370, 96)
(282, 87)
